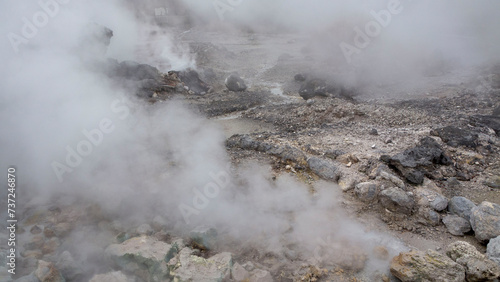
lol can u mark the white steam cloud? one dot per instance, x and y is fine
(72, 131)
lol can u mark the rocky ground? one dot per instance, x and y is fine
(419, 164)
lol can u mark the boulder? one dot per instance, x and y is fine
(187, 267)
(461, 206)
(47, 272)
(134, 71)
(192, 80)
(426, 266)
(456, 225)
(144, 256)
(477, 266)
(366, 191)
(397, 200)
(455, 136)
(235, 83)
(485, 221)
(300, 77)
(417, 162)
(493, 250)
(324, 169)
(313, 88)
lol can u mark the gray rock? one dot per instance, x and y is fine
(366, 191)
(313, 88)
(452, 182)
(430, 198)
(188, 267)
(477, 266)
(135, 71)
(324, 169)
(300, 77)
(440, 203)
(485, 221)
(397, 200)
(455, 136)
(493, 182)
(204, 237)
(426, 266)
(143, 255)
(235, 83)
(191, 79)
(414, 176)
(461, 206)
(492, 122)
(456, 225)
(412, 163)
(393, 178)
(116, 276)
(493, 250)
(429, 217)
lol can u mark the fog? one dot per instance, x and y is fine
(378, 41)
(144, 160)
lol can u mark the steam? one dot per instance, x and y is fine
(424, 38)
(145, 160)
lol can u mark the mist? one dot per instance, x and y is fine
(142, 160)
(372, 41)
